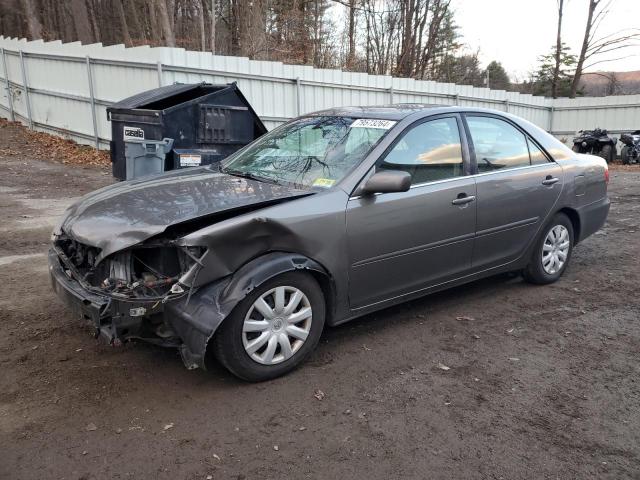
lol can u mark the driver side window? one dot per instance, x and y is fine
(497, 144)
(429, 152)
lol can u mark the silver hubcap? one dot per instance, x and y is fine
(276, 325)
(555, 249)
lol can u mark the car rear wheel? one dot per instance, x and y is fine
(552, 251)
(576, 148)
(273, 329)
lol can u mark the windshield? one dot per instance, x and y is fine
(310, 151)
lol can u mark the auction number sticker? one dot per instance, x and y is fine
(373, 123)
(133, 132)
(323, 182)
(190, 160)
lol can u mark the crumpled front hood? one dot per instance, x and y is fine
(127, 213)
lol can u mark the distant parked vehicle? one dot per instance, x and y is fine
(596, 142)
(630, 153)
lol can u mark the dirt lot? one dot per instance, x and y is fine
(543, 381)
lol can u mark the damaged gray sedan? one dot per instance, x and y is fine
(326, 218)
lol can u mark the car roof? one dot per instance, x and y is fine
(398, 111)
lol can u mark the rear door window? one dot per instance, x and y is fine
(537, 156)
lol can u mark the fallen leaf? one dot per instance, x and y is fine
(168, 426)
(465, 318)
(91, 427)
(442, 366)
(319, 394)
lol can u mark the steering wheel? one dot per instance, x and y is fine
(487, 161)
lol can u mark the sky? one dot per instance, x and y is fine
(517, 32)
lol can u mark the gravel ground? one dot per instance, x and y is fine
(542, 381)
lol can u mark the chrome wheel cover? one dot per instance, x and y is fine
(555, 249)
(276, 325)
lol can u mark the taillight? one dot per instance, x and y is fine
(606, 174)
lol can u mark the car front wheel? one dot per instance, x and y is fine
(552, 251)
(273, 329)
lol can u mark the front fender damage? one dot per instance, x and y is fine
(196, 318)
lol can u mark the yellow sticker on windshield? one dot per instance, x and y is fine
(323, 182)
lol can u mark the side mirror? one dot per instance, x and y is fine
(387, 181)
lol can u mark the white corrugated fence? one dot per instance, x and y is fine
(65, 88)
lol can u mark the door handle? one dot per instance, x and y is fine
(463, 200)
(550, 180)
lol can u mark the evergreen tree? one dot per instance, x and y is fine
(543, 77)
(496, 76)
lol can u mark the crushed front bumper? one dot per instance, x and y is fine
(115, 319)
(187, 323)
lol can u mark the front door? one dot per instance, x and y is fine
(400, 243)
(517, 187)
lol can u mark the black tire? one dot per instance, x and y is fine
(607, 153)
(535, 272)
(624, 154)
(227, 344)
(576, 148)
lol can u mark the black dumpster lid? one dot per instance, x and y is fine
(157, 94)
(150, 99)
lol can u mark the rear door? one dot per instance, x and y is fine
(517, 188)
(403, 242)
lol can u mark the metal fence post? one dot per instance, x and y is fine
(8, 86)
(391, 94)
(551, 110)
(26, 90)
(93, 102)
(298, 97)
(159, 67)
(456, 99)
(506, 106)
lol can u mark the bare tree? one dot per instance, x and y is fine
(381, 28)
(593, 46)
(351, 56)
(213, 26)
(126, 37)
(81, 21)
(33, 23)
(420, 29)
(165, 23)
(556, 71)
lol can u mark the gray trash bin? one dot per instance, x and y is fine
(146, 157)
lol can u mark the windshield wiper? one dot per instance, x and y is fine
(239, 173)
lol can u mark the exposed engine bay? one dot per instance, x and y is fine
(129, 289)
(150, 271)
